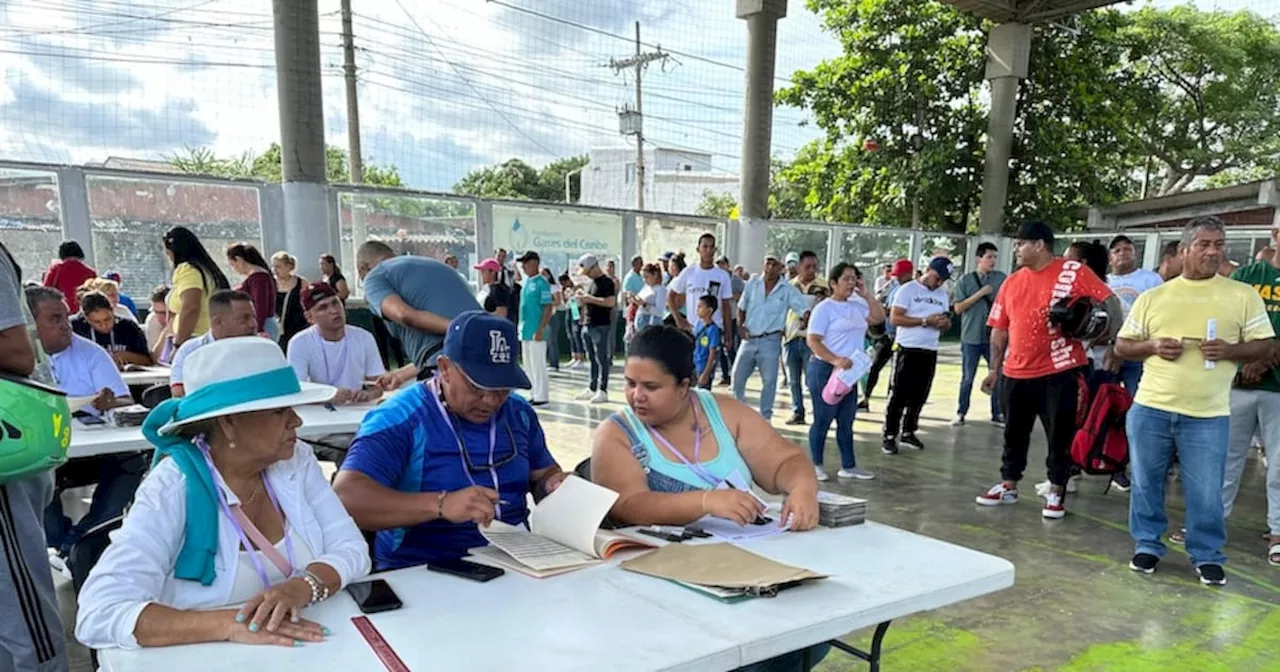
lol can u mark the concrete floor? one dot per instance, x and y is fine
(1075, 606)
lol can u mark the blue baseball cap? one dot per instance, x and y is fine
(942, 266)
(484, 347)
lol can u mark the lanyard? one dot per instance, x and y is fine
(245, 528)
(434, 386)
(695, 465)
(342, 358)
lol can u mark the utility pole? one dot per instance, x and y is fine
(631, 121)
(359, 230)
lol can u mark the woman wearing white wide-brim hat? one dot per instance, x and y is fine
(235, 479)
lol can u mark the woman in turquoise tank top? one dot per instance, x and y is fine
(666, 452)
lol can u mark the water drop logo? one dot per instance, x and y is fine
(519, 236)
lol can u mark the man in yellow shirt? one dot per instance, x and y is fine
(1190, 333)
(795, 349)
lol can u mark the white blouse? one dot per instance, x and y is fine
(248, 583)
(137, 568)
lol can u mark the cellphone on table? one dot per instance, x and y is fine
(88, 419)
(466, 570)
(374, 596)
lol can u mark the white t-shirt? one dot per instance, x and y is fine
(841, 324)
(696, 281)
(345, 364)
(557, 297)
(920, 302)
(152, 328)
(184, 351)
(655, 300)
(1127, 287)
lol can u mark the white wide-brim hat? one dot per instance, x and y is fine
(227, 360)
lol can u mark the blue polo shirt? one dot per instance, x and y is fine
(406, 444)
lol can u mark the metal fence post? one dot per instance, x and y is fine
(73, 204)
(484, 230)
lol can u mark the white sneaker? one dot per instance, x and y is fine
(856, 472)
(584, 395)
(958, 421)
(822, 475)
(576, 364)
(1073, 485)
(997, 495)
(600, 397)
(1054, 507)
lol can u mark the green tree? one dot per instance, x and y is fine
(515, 179)
(715, 204)
(267, 167)
(1212, 98)
(905, 114)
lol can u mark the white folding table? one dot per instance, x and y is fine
(607, 618)
(317, 421)
(146, 376)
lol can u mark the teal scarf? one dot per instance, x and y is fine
(200, 538)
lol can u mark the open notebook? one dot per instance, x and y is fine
(564, 533)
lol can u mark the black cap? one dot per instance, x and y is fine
(1119, 239)
(529, 255)
(1035, 230)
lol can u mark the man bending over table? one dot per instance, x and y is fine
(445, 455)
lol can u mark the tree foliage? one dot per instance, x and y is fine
(904, 111)
(267, 166)
(515, 179)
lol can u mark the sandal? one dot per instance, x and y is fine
(1273, 554)
(1179, 537)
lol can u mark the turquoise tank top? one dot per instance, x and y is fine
(667, 475)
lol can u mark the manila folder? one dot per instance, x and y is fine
(722, 564)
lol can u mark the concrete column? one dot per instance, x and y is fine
(1008, 51)
(73, 201)
(298, 87)
(757, 126)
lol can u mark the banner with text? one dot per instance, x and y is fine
(558, 236)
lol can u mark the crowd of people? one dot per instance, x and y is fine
(233, 528)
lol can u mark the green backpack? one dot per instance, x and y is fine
(35, 428)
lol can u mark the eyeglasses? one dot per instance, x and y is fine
(494, 464)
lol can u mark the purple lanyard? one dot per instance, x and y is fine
(434, 387)
(342, 358)
(695, 466)
(235, 524)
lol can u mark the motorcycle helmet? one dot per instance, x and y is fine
(1079, 317)
(35, 428)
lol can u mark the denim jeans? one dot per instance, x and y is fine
(574, 327)
(970, 353)
(1201, 445)
(117, 476)
(1253, 411)
(758, 353)
(728, 354)
(599, 342)
(798, 355)
(1129, 376)
(552, 338)
(823, 413)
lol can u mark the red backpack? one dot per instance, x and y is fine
(1100, 445)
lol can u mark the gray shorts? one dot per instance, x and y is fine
(30, 631)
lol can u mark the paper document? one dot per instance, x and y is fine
(564, 529)
(722, 566)
(731, 531)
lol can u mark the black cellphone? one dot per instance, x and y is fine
(88, 419)
(374, 596)
(466, 570)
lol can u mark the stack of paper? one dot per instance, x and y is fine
(128, 416)
(840, 510)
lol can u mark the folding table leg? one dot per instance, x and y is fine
(876, 641)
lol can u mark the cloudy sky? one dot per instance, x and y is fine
(445, 85)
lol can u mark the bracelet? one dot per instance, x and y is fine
(440, 504)
(704, 500)
(319, 589)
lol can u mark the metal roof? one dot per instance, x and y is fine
(1027, 11)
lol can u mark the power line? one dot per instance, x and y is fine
(486, 101)
(624, 38)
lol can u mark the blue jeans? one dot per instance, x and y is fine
(553, 339)
(970, 353)
(823, 413)
(758, 353)
(599, 342)
(798, 354)
(1201, 445)
(1130, 375)
(576, 346)
(117, 476)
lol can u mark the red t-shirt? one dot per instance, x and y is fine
(1037, 348)
(66, 276)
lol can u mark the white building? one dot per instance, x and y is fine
(675, 179)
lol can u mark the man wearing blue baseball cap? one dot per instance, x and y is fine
(920, 314)
(441, 457)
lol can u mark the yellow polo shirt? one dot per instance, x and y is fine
(1182, 309)
(185, 277)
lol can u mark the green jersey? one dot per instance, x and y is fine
(1265, 280)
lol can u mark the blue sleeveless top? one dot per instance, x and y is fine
(666, 475)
